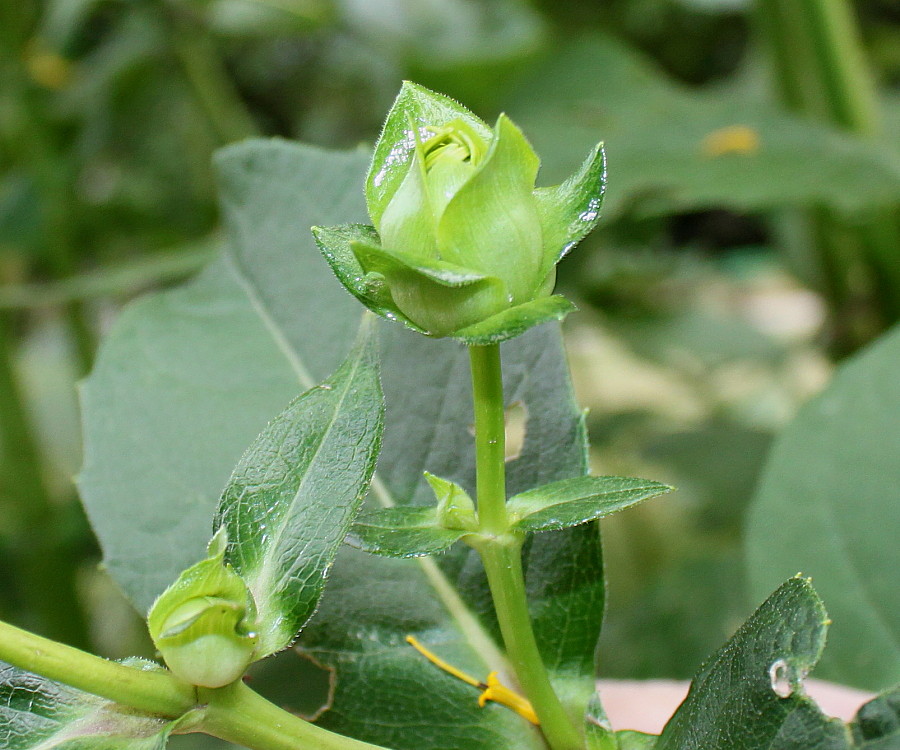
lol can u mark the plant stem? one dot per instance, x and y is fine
(205, 72)
(503, 564)
(236, 713)
(154, 692)
(490, 437)
(501, 553)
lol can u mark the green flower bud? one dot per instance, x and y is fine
(203, 624)
(463, 243)
(455, 509)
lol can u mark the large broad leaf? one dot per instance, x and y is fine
(291, 499)
(829, 504)
(188, 377)
(39, 714)
(749, 695)
(672, 148)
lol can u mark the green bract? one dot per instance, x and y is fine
(204, 623)
(463, 244)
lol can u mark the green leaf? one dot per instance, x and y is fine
(188, 377)
(295, 492)
(598, 732)
(515, 321)
(417, 531)
(39, 714)
(571, 210)
(877, 723)
(336, 245)
(395, 146)
(402, 532)
(571, 502)
(827, 503)
(749, 695)
(723, 146)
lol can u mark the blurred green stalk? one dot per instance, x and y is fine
(45, 572)
(208, 77)
(822, 73)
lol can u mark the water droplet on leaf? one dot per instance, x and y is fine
(780, 678)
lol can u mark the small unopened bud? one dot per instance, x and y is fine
(455, 509)
(461, 236)
(203, 624)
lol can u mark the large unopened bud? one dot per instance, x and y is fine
(204, 623)
(462, 243)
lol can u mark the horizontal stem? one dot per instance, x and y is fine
(236, 713)
(155, 692)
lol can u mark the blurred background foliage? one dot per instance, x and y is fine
(750, 239)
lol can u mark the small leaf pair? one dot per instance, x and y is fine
(463, 244)
(412, 532)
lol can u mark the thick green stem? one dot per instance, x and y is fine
(501, 553)
(237, 714)
(490, 437)
(154, 692)
(503, 564)
(234, 713)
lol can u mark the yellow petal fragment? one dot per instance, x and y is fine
(492, 690)
(439, 662)
(498, 692)
(734, 139)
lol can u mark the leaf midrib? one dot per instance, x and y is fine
(265, 572)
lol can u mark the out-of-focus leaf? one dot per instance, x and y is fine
(877, 723)
(440, 34)
(673, 149)
(828, 503)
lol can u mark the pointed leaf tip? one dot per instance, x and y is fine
(570, 211)
(296, 490)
